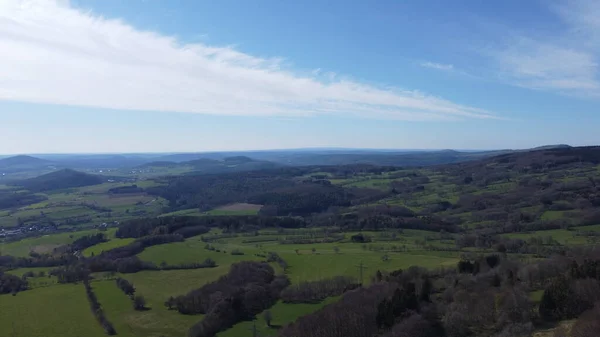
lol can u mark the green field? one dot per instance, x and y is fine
(89, 204)
(46, 243)
(282, 313)
(305, 265)
(59, 310)
(158, 321)
(112, 243)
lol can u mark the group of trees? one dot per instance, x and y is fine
(568, 295)
(138, 301)
(13, 199)
(71, 273)
(36, 260)
(483, 296)
(87, 241)
(354, 315)
(11, 283)
(177, 225)
(248, 289)
(126, 189)
(314, 292)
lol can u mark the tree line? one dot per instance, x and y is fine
(97, 310)
(317, 291)
(11, 284)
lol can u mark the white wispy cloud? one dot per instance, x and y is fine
(52, 53)
(566, 62)
(438, 66)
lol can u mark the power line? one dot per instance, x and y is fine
(361, 267)
(253, 329)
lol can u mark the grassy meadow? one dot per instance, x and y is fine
(60, 310)
(283, 314)
(111, 244)
(46, 243)
(155, 322)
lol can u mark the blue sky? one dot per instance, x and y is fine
(159, 76)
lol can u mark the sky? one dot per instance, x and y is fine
(192, 75)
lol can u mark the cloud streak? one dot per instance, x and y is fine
(52, 53)
(437, 66)
(566, 62)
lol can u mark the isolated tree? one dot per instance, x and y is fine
(268, 317)
(297, 251)
(314, 250)
(139, 302)
(336, 249)
(170, 303)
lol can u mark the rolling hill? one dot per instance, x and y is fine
(59, 180)
(23, 162)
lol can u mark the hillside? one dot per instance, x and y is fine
(23, 162)
(59, 180)
(536, 189)
(211, 166)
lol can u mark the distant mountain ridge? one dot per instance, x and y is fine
(235, 161)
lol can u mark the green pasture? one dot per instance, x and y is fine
(157, 321)
(282, 313)
(112, 243)
(304, 264)
(60, 310)
(45, 243)
(192, 250)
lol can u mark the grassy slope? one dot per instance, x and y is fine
(66, 204)
(305, 265)
(60, 310)
(282, 313)
(157, 321)
(23, 247)
(112, 243)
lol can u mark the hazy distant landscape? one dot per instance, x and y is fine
(341, 227)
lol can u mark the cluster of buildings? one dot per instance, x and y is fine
(25, 229)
